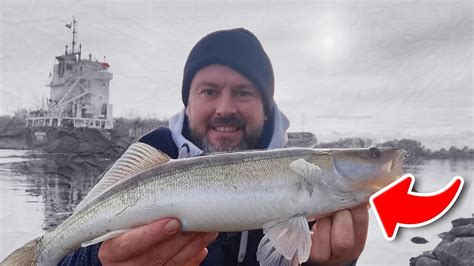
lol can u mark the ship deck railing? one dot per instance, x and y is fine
(77, 122)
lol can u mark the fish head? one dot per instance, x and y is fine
(367, 170)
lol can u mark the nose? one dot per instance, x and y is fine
(226, 105)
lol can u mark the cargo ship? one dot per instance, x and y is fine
(79, 92)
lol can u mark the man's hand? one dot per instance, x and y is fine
(340, 238)
(158, 243)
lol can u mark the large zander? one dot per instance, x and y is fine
(277, 190)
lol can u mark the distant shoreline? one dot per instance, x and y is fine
(13, 134)
(416, 151)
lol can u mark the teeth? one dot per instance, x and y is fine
(226, 129)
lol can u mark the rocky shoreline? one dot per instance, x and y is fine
(456, 247)
(70, 151)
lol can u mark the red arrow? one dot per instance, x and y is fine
(397, 205)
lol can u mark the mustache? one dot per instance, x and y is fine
(230, 120)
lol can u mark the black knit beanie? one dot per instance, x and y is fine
(238, 49)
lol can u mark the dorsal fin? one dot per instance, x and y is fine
(137, 158)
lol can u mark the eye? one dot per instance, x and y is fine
(375, 152)
(243, 93)
(208, 92)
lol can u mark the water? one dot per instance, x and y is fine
(33, 203)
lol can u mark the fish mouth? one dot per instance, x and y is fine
(373, 177)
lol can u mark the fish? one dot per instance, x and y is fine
(277, 190)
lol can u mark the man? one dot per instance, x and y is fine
(227, 91)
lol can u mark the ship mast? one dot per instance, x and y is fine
(73, 25)
(74, 34)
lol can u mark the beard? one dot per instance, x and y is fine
(249, 139)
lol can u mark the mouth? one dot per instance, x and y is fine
(226, 128)
(396, 164)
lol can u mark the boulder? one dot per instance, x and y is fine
(462, 221)
(456, 247)
(463, 231)
(424, 261)
(458, 252)
(419, 240)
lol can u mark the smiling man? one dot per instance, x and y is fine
(225, 110)
(227, 92)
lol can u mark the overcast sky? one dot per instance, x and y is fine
(379, 69)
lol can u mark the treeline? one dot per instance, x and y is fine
(416, 151)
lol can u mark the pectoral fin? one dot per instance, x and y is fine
(313, 175)
(310, 172)
(102, 238)
(285, 243)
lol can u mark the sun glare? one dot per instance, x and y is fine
(328, 42)
(330, 38)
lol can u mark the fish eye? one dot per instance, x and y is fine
(375, 152)
(405, 155)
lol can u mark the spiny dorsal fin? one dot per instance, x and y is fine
(137, 158)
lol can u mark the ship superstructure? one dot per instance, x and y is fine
(79, 92)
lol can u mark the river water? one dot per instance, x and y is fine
(31, 203)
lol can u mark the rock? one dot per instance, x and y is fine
(447, 236)
(456, 248)
(61, 145)
(462, 221)
(424, 261)
(463, 231)
(85, 147)
(419, 240)
(458, 252)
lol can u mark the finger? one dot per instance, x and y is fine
(193, 249)
(342, 235)
(321, 246)
(360, 218)
(134, 242)
(198, 259)
(163, 252)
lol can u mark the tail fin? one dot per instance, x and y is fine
(25, 255)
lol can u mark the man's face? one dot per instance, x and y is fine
(225, 110)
